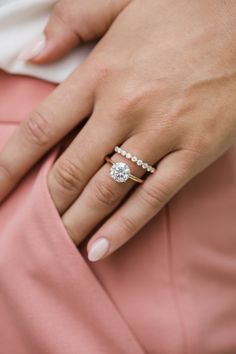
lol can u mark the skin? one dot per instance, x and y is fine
(161, 83)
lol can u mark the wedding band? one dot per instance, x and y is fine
(135, 159)
(120, 172)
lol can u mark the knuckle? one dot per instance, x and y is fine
(128, 224)
(129, 102)
(104, 193)
(36, 129)
(155, 197)
(133, 99)
(68, 175)
(198, 146)
(65, 19)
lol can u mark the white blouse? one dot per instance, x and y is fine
(21, 21)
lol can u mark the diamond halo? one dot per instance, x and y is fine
(120, 172)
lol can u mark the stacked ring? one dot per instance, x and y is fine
(135, 159)
(120, 172)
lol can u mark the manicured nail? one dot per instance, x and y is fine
(98, 249)
(33, 49)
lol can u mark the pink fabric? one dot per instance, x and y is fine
(170, 290)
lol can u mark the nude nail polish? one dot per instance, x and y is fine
(98, 249)
(33, 49)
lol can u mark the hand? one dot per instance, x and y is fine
(71, 23)
(161, 83)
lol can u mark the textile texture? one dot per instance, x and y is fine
(169, 290)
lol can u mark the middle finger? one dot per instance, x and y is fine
(73, 169)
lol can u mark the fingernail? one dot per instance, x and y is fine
(33, 49)
(98, 249)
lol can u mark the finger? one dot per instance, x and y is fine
(71, 22)
(147, 200)
(44, 127)
(85, 155)
(102, 194)
(80, 161)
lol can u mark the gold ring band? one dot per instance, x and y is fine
(134, 178)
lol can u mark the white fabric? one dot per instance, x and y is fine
(21, 21)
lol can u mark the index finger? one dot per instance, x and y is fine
(53, 119)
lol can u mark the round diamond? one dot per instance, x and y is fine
(134, 159)
(145, 165)
(116, 148)
(128, 155)
(120, 172)
(139, 162)
(149, 168)
(123, 152)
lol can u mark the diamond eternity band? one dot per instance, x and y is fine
(135, 159)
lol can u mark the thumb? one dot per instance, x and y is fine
(72, 22)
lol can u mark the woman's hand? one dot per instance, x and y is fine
(161, 83)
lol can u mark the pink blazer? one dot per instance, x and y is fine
(170, 290)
